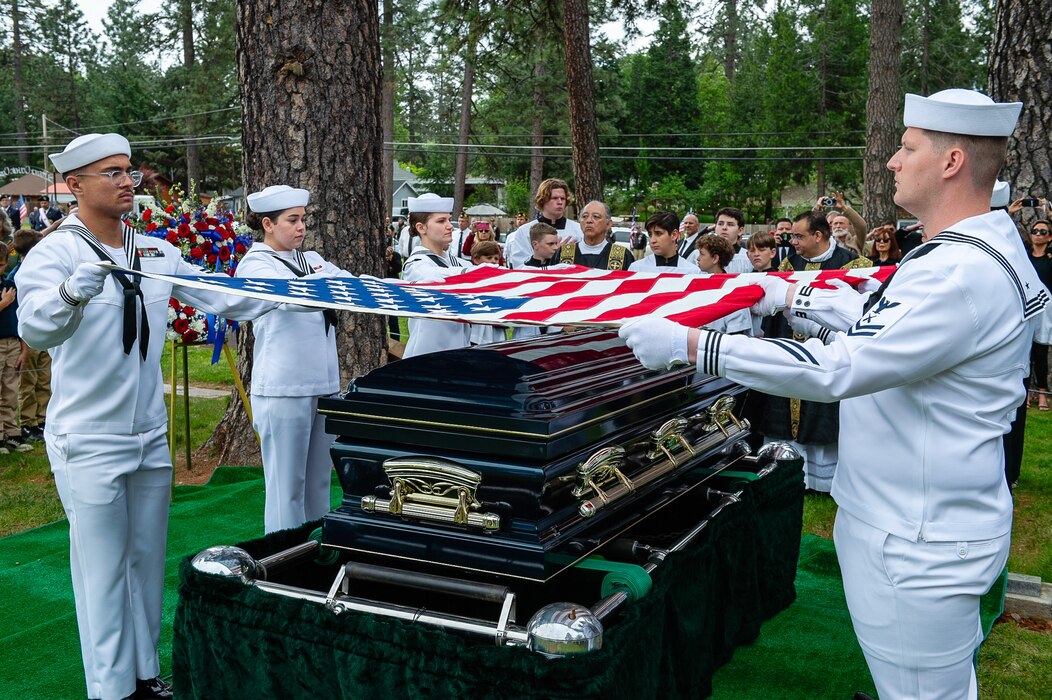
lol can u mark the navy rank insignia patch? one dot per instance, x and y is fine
(150, 253)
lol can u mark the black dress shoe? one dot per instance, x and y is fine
(863, 696)
(153, 688)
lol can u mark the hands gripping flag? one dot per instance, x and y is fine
(576, 296)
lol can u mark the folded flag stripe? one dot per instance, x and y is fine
(574, 296)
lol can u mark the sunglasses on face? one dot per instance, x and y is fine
(1039, 232)
(882, 240)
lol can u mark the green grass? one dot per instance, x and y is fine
(199, 362)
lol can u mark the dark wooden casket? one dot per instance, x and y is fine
(521, 458)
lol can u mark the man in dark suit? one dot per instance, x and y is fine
(44, 215)
(12, 211)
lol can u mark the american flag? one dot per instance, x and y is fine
(22, 211)
(575, 296)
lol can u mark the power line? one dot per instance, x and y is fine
(169, 117)
(635, 148)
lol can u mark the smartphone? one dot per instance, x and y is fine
(1031, 202)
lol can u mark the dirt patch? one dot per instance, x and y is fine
(1030, 623)
(203, 465)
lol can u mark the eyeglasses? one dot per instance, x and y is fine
(882, 240)
(117, 176)
(1039, 232)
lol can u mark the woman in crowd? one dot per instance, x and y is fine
(294, 364)
(433, 261)
(885, 246)
(1041, 259)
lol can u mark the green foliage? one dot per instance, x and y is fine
(517, 196)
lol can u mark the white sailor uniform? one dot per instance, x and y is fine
(294, 363)
(929, 379)
(426, 335)
(106, 441)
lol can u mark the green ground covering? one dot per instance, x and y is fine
(1015, 662)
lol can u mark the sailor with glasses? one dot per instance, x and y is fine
(106, 426)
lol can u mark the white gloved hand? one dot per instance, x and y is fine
(658, 343)
(805, 327)
(836, 309)
(86, 281)
(775, 290)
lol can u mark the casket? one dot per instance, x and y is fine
(519, 459)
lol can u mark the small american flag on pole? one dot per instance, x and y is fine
(575, 296)
(23, 212)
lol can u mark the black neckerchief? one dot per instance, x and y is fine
(302, 269)
(559, 223)
(130, 285)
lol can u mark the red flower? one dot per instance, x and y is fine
(174, 303)
(207, 246)
(189, 310)
(190, 336)
(172, 237)
(180, 325)
(212, 257)
(169, 209)
(224, 253)
(184, 230)
(212, 221)
(201, 226)
(151, 227)
(240, 248)
(146, 214)
(196, 253)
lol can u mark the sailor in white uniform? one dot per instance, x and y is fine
(106, 426)
(929, 377)
(433, 261)
(294, 363)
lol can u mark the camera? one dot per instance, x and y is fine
(828, 201)
(1031, 201)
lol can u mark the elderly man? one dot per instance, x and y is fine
(551, 201)
(106, 431)
(596, 251)
(689, 228)
(925, 512)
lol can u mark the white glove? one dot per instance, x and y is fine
(86, 281)
(836, 309)
(804, 327)
(775, 290)
(657, 342)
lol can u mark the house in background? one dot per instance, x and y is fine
(405, 184)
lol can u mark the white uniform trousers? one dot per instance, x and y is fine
(297, 466)
(915, 607)
(115, 490)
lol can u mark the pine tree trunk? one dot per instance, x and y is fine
(730, 40)
(587, 168)
(19, 83)
(310, 80)
(883, 123)
(387, 46)
(193, 156)
(537, 133)
(460, 173)
(1020, 66)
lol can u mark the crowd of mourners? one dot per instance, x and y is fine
(830, 235)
